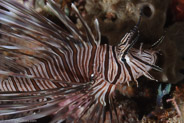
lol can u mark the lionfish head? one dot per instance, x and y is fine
(137, 61)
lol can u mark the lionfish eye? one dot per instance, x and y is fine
(123, 59)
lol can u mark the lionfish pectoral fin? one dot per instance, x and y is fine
(32, 105)
(35, 35)
(157, 68)
(93, 103)
(75, 107)
(74, 110)
(149, 76)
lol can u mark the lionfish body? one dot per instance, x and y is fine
(71, 75)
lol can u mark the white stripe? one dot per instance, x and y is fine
(96, 59)
(105, 89)
(50, 68)
(89, 49)
(44, 71)
(80, 55)
(65, 74)
(37, 74)
(30, 83)
(27, 85)
(36, 81)
(5, 88)
(72, 65)
(54, 67)
(78, 59)
(57, 63)
(11, 84)
(21, 83)
(18, 84)
(99, 86)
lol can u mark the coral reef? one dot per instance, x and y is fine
(118, 16)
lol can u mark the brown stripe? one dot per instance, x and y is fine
(83, 63)
(49, 72)
(2, 85)
(10, 85)
(24, 84)
(42, 71)
(61, 68)
(47, 68)
(32, 81)
(40, 84)
(57, 66)
(76, 67)
(29, 86)
(66, 67)
(113, 68)
(91, 61)
(107, 94)
(58, 85)
(14, 84)
(7, 86)
(119, 66)
(38, 71)
(21, 85)
(129, 70)
(106, 60)
(70, 61)
(142, 61)
(35, 85)
(87, 61)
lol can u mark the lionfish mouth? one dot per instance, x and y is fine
(47, 69)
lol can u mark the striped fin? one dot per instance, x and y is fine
(66, 21)
(90, 36)
(129, 40)
(36, 30)
(97, 27)
(98, 105)
(24, 106)
(77, 103)
(127, 43)
(24, 96)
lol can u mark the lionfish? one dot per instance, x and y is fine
(48, 69)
